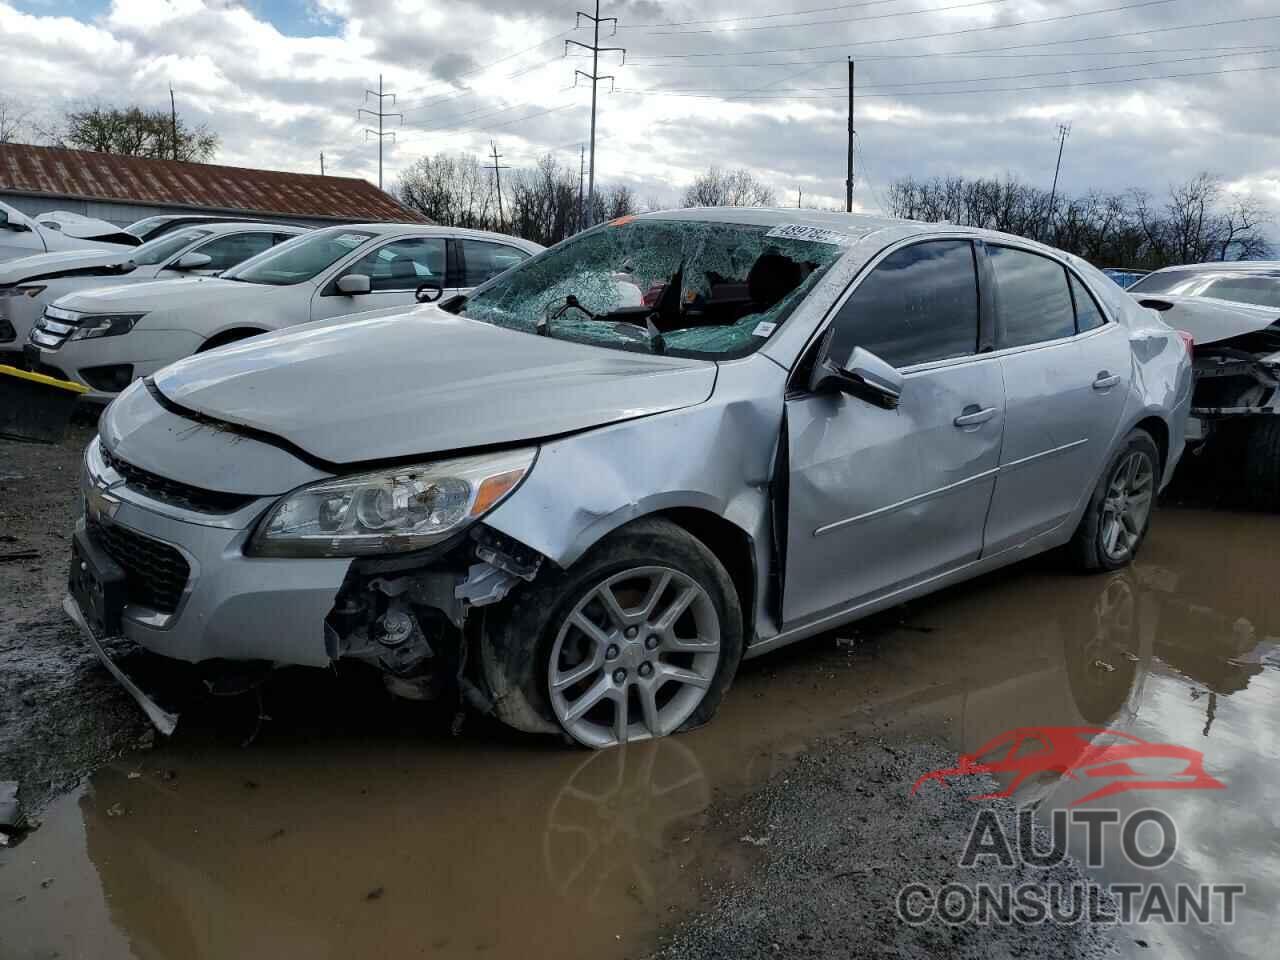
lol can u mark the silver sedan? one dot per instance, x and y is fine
(578, 496)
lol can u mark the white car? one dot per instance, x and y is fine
(29, 284)
(21, 236)
(107, 337)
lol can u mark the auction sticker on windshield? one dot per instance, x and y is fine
(798, 231)
(351, 240)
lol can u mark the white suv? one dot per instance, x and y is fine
(107, 337)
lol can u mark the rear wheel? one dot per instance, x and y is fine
(640, 639)
(1119, 512)
(1262, 464)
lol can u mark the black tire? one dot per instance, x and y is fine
(222, 339)
(1262, 464)
(517, 639)
(1086, 547)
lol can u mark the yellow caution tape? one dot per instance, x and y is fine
(41, 378)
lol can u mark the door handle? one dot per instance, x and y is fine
(1105, 381)
(974, 415)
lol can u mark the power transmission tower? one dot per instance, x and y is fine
(497, 179)
(595, 78)
(381, 116)
(1064, 131)
(848, 183)
(173, 121)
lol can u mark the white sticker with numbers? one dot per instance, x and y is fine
(764, 328)
(798, 231)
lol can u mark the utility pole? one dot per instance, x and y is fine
(799, 197)
(173, 121)
(381, 115)
(595, 78)
(848, 183)
(322, 163)
(1064, 131)
(582, 173)
(497, 179)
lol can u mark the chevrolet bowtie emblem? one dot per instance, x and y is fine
(99, 504)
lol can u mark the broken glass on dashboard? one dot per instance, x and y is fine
(677, 286)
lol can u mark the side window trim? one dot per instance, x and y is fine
(455, 269)
(1075, 280)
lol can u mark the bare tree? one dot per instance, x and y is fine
(132, 131)
(1196, 220)
(14, 125)
(452, 190)
(729, 188)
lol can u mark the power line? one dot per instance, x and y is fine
(951, 93)
(819, 23)
(497, 126)
(595, 78)
(995, 77)
(493, 63)
(381, 115)
(968, 30)
(469, 93)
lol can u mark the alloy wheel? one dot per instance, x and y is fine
(1127, 505)
(634, 657)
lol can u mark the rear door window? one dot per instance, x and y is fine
(484, 261)
(1033, 300)
(1088, 313)
(919, 304)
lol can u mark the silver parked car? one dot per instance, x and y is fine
(581, 494)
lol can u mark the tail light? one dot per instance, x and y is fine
(1188, 340)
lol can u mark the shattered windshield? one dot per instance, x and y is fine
(690, 288)
(1261, 289)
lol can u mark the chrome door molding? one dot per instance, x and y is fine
(909, 501)
(1014, 464)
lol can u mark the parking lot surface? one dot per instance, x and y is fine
(326, 821)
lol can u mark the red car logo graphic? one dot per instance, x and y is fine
(1082, 754)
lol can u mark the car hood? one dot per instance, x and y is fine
(61, 264)
(1207, 319)
(424, 382)
(186, 293)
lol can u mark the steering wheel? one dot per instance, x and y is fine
(421, 294)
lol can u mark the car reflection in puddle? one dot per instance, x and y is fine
(321, 839)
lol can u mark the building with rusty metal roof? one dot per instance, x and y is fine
(122, 189)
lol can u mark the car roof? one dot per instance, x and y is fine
(437, 230)
(1232, 266)
(236, 226)
(858, 224)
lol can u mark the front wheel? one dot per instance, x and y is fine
(1119, 512)
(639, 639)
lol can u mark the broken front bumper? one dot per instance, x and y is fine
(192, 593)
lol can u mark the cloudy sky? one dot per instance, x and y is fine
(943, 86)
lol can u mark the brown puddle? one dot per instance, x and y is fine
(319, 841)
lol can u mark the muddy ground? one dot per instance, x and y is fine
(61, 714)
(354, 825)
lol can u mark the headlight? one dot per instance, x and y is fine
(105, 325)
(31, 292)
(390, 511)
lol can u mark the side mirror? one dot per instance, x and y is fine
(354, 284)
(425, 291)
(14, 225)
(192, 261)
(863, 375)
